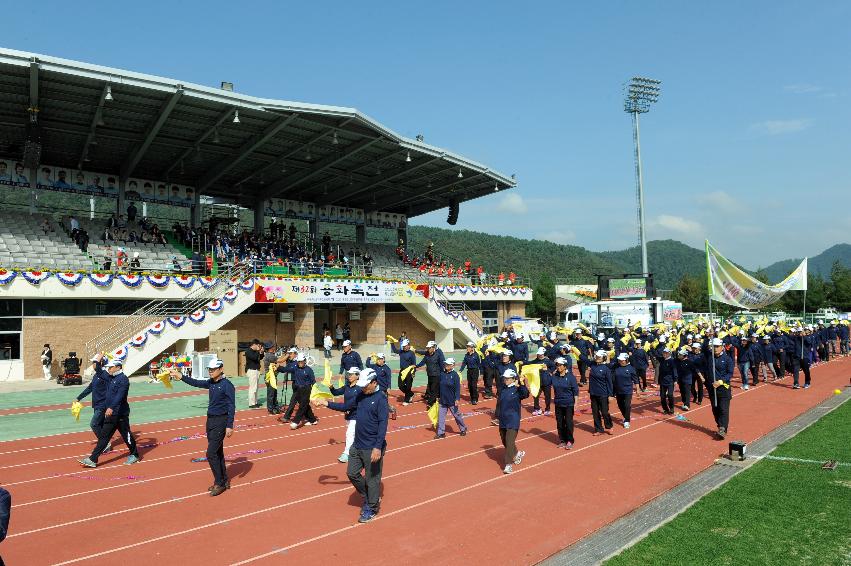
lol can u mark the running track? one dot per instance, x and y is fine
(445, 502)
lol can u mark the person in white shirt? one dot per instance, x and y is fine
(328, 344)
(75, 224)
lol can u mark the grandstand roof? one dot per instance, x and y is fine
(163, 129)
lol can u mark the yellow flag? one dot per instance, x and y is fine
(625, 340)
(647, 346)
(271, 378)
(320, 391)
(432, 414)
(327, 379)
(407, 372)
(76, 407)
(165, 377)
(532, 373)
(391, 339)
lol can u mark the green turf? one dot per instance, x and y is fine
(772, 513)
(57, 421)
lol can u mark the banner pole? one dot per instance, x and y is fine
(804, 322)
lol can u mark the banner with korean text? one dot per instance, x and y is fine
(365, 291)
(729, 284)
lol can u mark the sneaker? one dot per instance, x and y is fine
(519, 457)
(217, 490)
(560, 445)
(438, 436)
(547, 413)
(366, 516)
(131, 459)
(87, 462)
(568, 446)
(796, 386)
(507, 469)
(745, 387)
(344, 457)
(293, 426)
(227, 486)
(626, 424)
(463, 433)
(474, 402)
(494, 422)
(311, 423)
(537, 412)
(405, 403)
(255, 406)
(807, 386)
(722, 432)
(685, 407)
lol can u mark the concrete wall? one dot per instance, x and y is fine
(397, 322)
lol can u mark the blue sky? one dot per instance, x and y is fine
(748, 145)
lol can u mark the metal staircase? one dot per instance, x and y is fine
(159, 309)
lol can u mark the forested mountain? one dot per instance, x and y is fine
(817, 265)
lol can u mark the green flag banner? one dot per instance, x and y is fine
(729, 284)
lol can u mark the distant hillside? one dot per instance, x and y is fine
(818, 265)
(669, 259)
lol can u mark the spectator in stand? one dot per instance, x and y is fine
(107, 259)
(134, 263)
(176, 264)
(75, 224)
(208, 264)
(501, 278)
(468, 267)
(511, 278)
(131, 212)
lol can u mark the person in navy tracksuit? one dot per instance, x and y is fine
(831, 337)
(624, 383)
(407, 359)
(546, 382)
(600, 388)
(699, 363)
(799, 354)
(115, 416)
(666, 377)
(448, 397)
(717, 381)
(221, 411)
(512, 392)
(520, 349)
(639, 361)
(584, 361)
(349, 391)
(744, 358)
(565, 390)
(473, 363)
(98, 387)
(303, 380)
(778, 340)
(384, 377)
(489, 368)
(686, 376)
(843, 332)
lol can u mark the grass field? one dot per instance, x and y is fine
(775, 512)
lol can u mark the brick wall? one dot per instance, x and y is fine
(63, 333)
(397, 322)
(374, 323)
(303, 325)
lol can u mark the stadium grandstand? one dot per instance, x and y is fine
(156, 212)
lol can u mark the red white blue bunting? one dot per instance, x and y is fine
(247, 285)
(176, 321)
(121, 353)
(207, 282)
(36, 277)
(513, 290)
(139, 340)
(101, 279)
(157, 328)
(131, 280)
(198, 316)
(231, 295)
(70, 279)
(215, 306)
(7, 277)
(158, 280)
(184, 281)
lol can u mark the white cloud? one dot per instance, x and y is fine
(669, 224)
(778, 127)
(717, 199)
(512, 203)
(802, 88)
(558, 236)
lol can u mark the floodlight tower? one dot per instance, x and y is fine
(640, 93)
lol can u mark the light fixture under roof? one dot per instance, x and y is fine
(460, 173)
(108, 95)
(308, 155)
(335, 140)
(236, 116)
(408, 157)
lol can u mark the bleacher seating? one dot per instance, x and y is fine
(37, 241)
(152, 257)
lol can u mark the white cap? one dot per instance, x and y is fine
(638, 340)
(689, 336)
(135, 254)
(683, 351)
(366, 376)
(717, 342)
(215, 363)
(520, 336)
(431, 344)
(600, 354)
(666, 350)
(292, 351)
(353, 369)
(116, 363)
(504, 335)
(553, 335)
(509, 373)
(623, 356)
(541, 351)
(561, 361)
(696, 346)
(301, 358)
(470, 345)
(347, 342)
(449, 362)
(610, 340)
(601, 336)
(405, 342)
(505, 352)
(380, 355)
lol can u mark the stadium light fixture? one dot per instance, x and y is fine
(460, 173)
(495, 187)
(108, 95)
(308, 155)
(236, 116)
(408, 157)
(335, 140)
(640, 93)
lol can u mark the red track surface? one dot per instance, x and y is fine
(444, 501)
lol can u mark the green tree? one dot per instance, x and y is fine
(543, 303)
(692, 293)
(839, 289)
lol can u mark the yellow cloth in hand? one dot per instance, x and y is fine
(326, 380)
(320, 391)
(165, 377)
(391, 339)
(532, 373)
(432, 413)
(76, 407)
(407, 372)
(271, 377)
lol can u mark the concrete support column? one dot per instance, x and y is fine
(374, 323)
(259, 218)
(185, 346)
(445, 339)
(304, 326)
(360, 234)
(195, 211)
(122, 197)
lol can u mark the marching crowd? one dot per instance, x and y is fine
(550, 367)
